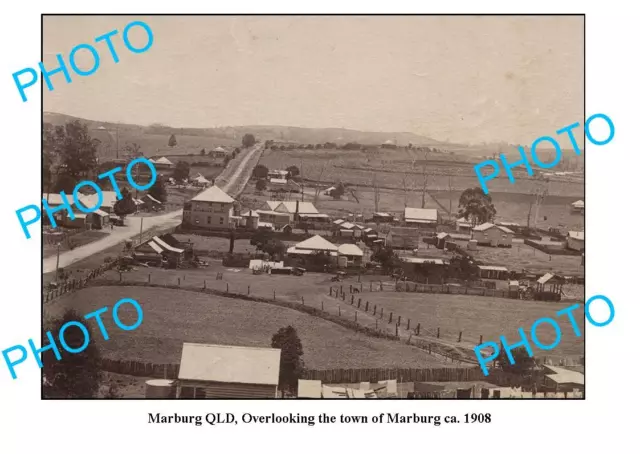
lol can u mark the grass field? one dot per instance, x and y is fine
(522, 256)
(172, 317)
(483, 316)
(76, 240)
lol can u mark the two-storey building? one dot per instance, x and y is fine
(212, 209)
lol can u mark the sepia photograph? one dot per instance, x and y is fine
(312, 206)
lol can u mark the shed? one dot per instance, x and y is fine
(561, 379)
(441, 239)
(228, 372)
(493, 272)
(575, 241)
(421, 216)
(550, 283)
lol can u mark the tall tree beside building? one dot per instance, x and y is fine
(260, 171)
(173, 141)
(248, 140)
(261, 185)
(76, 375)
(476, 206)
(158, 190)
(291, 363)
(523, 363)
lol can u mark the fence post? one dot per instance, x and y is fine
(438, 335)
(120, 277)
(149, 278)
(330, 291)
(390, 317)
(339, 311)
(350, 288)
(480, 340)
(381, 312)
(359, 301)
(178, 282)
(204, 284)
(360, 284)
(341, 289)
(343, 296)
(227, 287)
(322, 302)
(302, 300)
(408, 323)
(460, 336)
(375, 308)
(418, 330)
(376, 324)
(248, 289)
(274, 295)
(371, 286)
(352, 299)
(397, 331)
(399, 318)
(366, 307)
(356, 319)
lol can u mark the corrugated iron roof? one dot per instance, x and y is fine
(350, 249)
(316, 243)
(420, 214)
(213, 194)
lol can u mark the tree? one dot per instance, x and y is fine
(158, 191)
(275, 248)
(236, 152)
(126, 205)
(259, 239)
(292, 171)
(387, 257)
(77, 150)
(227, 158)
(523, 365)
(260, 171)
(173, 141)
(181, 172)
(248, 140)
(202, 152)
(76, 375)
(476, 206)
(232, 240)
(133, 149)
(338, 191)
(463, 267)
(65, 182)
(52, 139)
(261, 185)
(291, 363)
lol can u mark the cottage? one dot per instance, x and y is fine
(163, 164)
(211, 209)
(441, 239)
(228, 372)
(97, 219)
(352, 253)
(559, 379)
(492, 235)
(493, 272)
(403, 238)
(421, 216)
(277, 174)
(463, 225)
(291, 207)
(275, 218)
(424, 270)
(200, 180)
(219, 152)
(313, 245)
(109, 198)
(575, 241)
(578, 207)
(150, 203)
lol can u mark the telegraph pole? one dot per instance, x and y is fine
(141, 219)
(57, 262)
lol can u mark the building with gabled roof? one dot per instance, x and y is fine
(575, 241)
(492, 235)
(228, 372)
(210, 209)
(421, 216)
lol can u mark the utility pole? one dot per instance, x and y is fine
(141, 219)
(57, 262)
(117, 142)
(450, 199)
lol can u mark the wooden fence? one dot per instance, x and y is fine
(76, 284)
(450, 289)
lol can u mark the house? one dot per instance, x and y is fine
(575, 241)
(200, 180)
(293, 208)
(578, 207)
(559, 379)
(55, 200)
(150, 203)
(275, 218)
(403, 238)
(219, 152)
(278, 174)
(210, 209)
(424, 270)
(313, 245)
(283, 185)
(250, 220)
(155, 249)
(550, 283)
(492, 235)
(382, 217)
(463, 225)
(228, 372)
(352, 253)
(109, 198)
(493, 272)
(163, 164)
(97, 219)
(421, 216)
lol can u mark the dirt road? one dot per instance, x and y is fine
(232, 181)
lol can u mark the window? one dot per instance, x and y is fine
(208, 219)
(221, 220)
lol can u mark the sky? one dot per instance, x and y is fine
(460, 79)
